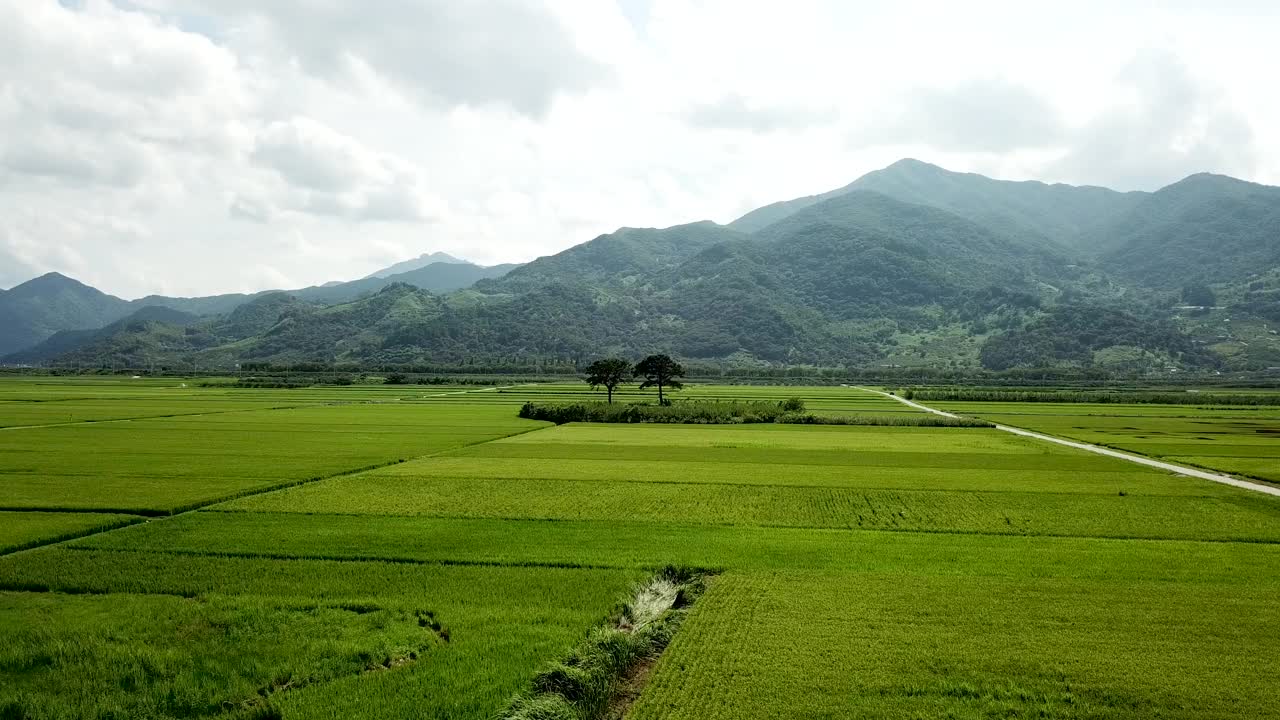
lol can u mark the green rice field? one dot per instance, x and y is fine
(171, 550)
(1240, 441)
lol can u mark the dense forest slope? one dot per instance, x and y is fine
(38, 308)
(1206, 229)
(909, 265)
(1061, 215)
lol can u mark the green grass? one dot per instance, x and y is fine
(19, 530)
(1119, 500)
(1243, 442)
(648, 546)
(1036, 513)
(250, 622)
(162, 656)
(157, 466)
(928, 644)
(893, 572)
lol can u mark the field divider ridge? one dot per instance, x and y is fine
(196, 507)
(157, 417)
(307, 557)
(1098, 449)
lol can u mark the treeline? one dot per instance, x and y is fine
(724, 412)
(1071, 334)
(541, 369)
(1068, 396)
(289, 380)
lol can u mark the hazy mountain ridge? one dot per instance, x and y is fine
(421, 261)
(38, 308)
(41, 308)
(1063, 215)
(910, 264)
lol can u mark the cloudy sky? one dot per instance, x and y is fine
(201, 146)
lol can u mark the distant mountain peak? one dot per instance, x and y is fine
(51, 282)
(421, 261)
(53, 278)
(1208, 179)
(913, 163)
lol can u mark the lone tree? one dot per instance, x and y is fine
(608, 374)
(660, 371)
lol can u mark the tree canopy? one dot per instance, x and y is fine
(660, 371)
(609, 373)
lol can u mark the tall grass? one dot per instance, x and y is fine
(733, 412)
(588, 683)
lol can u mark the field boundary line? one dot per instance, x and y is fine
(183, 510)
(389, 559)
(1100, 450)
(731, 525)
(156, 417)
(141, 513)
(76, 535)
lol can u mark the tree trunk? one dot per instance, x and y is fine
(659, 393)
(606, 387)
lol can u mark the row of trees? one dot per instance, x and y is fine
(658, 371)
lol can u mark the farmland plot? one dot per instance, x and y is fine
(1245, 441)
(863, 571)
(157, 466)
(166, 636)
(1117, 500)
(20, 530)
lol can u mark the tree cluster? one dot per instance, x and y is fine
(658, 371)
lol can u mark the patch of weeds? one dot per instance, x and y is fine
(596, 679)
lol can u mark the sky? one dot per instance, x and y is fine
(193, 147)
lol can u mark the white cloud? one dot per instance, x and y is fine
(328, 173)
(734, 112)
(1165, 123)
(981, 115)
(479, 52)
(199, 146)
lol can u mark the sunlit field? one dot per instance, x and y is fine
(176, 551)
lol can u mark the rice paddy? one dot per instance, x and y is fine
(1238, 440)
(374, 552)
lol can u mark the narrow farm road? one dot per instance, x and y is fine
(1139, 459)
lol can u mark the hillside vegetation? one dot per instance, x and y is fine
(909, 265)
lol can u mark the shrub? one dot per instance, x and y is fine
(706, 412)
(583, 685)
(792, 405)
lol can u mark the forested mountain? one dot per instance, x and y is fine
(910, 265)
(41, 308)
(64, 342)
(1062, 214)
(1054, 215)
(623, 257)
(1205, 229)
(439, 277)
(38, 308)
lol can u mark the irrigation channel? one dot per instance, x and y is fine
(1141, 460)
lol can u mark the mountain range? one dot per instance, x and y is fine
(909, 265)
(39, 309)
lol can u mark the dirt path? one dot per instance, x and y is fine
(1139, 459)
